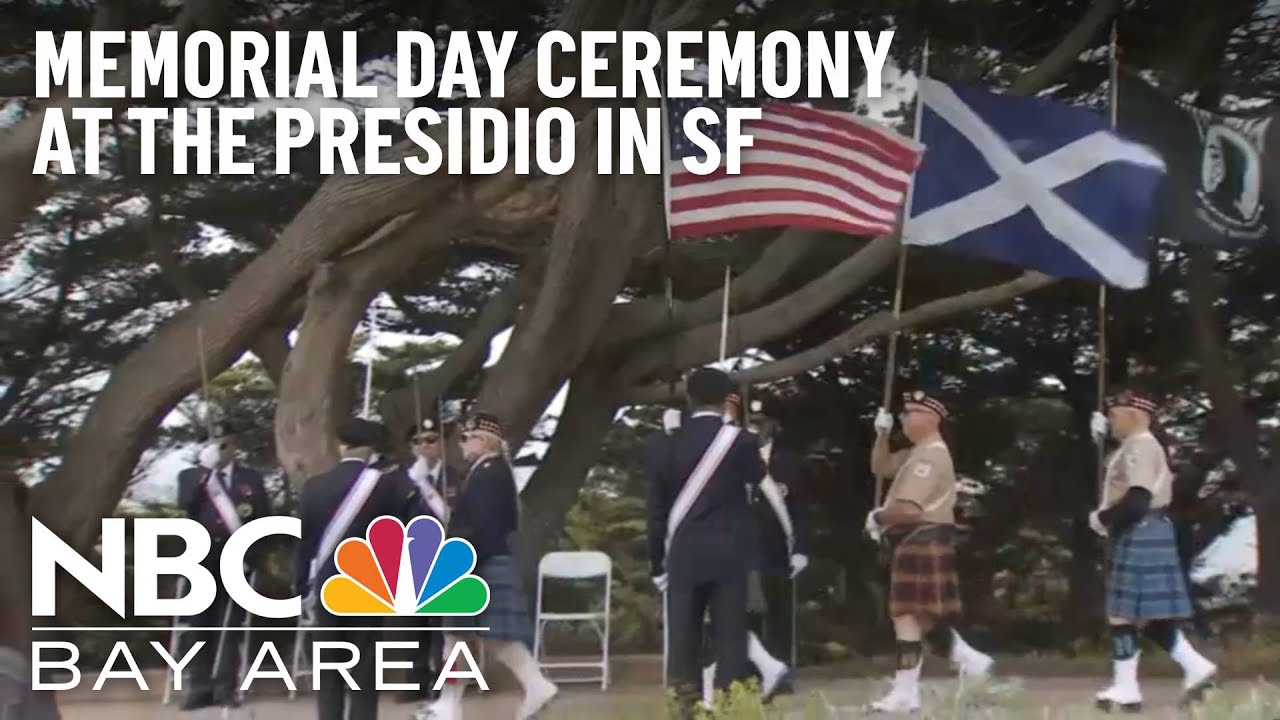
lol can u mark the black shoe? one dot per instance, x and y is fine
(197, 701)
(227, 699)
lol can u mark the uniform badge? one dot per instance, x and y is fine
(244, 510)
(922, 469)
(782, 489)
(1130, 460)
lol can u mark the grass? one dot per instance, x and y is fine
(951, 700)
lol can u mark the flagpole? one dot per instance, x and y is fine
(1100, 459)
(368, 366)
(891, 361)
(724, 315)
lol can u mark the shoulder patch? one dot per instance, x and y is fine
(1130, 459)
(922, 469)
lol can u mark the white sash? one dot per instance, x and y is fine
(693, 487)
(773, 494)
(340, 523)
(435, 502)
(221, 501)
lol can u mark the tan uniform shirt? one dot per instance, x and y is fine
(1138, 462)
(925, 476)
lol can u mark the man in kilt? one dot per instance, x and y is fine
(1146, 586)
(918, 522)
(486, 513)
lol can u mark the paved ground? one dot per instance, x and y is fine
(817, 698)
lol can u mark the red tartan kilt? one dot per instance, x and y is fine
(922, 578)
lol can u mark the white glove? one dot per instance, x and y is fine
(660, 582)
(1098, 426)
(209, 456)
(873, 527)
(883, 422)
(671, 420)
(798, 564)
(1096, 524)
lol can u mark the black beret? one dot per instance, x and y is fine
(359, 432)
(708, 386)
(428, 425)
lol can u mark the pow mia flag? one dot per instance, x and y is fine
(1221, 190)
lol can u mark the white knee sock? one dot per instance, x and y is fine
(760, 657)
(454, 688)
(518, 658)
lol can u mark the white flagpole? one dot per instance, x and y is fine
(724, 315)
(368, 361)
(891, 361)
(1113, 95)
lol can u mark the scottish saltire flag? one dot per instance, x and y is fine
(806, 167)
(1033, 183)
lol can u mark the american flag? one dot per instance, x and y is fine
(807, 167)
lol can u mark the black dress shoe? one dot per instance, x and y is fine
(197, 701)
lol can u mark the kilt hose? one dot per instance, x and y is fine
(1146, 580)
(922, 573)
(507, 616)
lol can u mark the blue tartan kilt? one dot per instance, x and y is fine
(507, 617)
(1147, 582)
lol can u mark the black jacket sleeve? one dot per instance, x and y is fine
(190, 483)
(657, 475)
(1128, 511)
(307, 544)
(788, 467)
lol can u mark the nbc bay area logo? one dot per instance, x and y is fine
(405, 570)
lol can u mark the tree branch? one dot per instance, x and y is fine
(18, 143)
(646, 318)
(700, 345)
(1062, 56)
(461, 362)
(877, 325)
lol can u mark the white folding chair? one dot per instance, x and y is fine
(578, 565)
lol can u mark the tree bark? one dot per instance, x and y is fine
(602, 223)
(699, 345)
(867, 329)
(631, 323)
(345, 210)
(19, 143)
(15, 563)
(397, 407)
(1234, 427)
(588, 414)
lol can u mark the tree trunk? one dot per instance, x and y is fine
(1236, 430)
(555, 485)
(602, 223)
(316, 374)
(15, 564)
(398, 407)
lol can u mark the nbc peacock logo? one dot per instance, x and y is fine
(399, 570)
